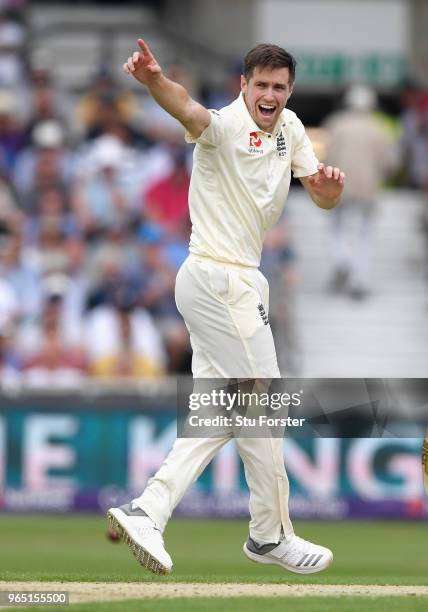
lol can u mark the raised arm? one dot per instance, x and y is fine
(174, 98)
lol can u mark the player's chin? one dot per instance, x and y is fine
(268, 122)
(265, 123)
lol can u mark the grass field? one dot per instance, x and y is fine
(75, 549)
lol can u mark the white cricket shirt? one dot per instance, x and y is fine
(240, 181)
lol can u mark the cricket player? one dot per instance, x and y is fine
(243, 160)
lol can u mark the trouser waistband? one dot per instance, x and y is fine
(219, 262)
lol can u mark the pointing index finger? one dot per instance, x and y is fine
(144, 47)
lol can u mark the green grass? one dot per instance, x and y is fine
(75, 548)
(247, 604)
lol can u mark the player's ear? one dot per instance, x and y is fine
(244, 84)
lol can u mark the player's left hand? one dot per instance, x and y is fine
(328, 183)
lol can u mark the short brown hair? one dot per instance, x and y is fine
(269, 56)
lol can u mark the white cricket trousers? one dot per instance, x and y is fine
(231, 338)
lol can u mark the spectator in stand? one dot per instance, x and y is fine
(48, 252)
(21, 277)
(58, 329)
(78, 287)
(12, 137)
(122, 340)
(361, 147)
(10, 361)
(166, 201)
(9, 303)
(104, 270)
(44, 98)
(103, 104)
(105, 193)
(11, 216)
(414, 139)
(108, 109)
(12, 38)
(50, 203)
(155, 273)
(46, 163)
(43, 110)
(158, 276)
(54, 362)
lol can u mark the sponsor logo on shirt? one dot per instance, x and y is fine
(255, 141)
(255, 144)
(281, 147)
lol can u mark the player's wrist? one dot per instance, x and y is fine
(157, 81)
(327, 203)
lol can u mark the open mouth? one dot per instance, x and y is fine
(267, 110)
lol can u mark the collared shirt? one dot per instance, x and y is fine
(240, 181)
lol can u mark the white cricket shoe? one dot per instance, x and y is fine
(135, 528)
(292, 553)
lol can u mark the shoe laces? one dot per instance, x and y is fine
(148, 531)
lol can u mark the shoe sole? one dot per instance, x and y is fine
(142, 555)
(296, 570)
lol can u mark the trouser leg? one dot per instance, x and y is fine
(186, 461)
(361, 255)
(339, 242)
(269, 488)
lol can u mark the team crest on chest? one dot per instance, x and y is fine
(281, 146)
(263, 314)
(255, 144)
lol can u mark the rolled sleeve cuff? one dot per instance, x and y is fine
(211, 135)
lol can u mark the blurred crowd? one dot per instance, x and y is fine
(93, 226)
(94, 223)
